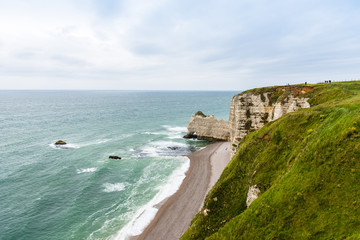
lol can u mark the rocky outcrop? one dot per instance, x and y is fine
(173, 148)
(250, 110)
(60, 142)
(252, 194)
(208, 128)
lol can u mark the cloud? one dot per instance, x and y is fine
(173, 44)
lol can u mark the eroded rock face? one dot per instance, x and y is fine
(252, 194)
(249, 112)
(208, 128)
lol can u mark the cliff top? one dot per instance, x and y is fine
(294, 89)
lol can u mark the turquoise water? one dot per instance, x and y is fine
(77, 192)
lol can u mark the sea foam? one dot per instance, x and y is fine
(113, 187)
(162, 148)
(85, 170)
(175, 129)
(175, 132)
(66, 146)
(145, 214)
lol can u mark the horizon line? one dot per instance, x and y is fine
(124, 90)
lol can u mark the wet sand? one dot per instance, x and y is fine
(175, 215)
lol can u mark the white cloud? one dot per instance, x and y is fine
(163, 44)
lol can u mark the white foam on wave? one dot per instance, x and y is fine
(95, 142)
(66, 146)
(160, 148)
(166, 144)
(146, 213)
(90, 143)
(175, 132)
(175, 129)
(175, 137)
(152, 133)
(150, 151)
(85, 170)
(113, 187)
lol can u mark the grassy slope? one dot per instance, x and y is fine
(307, 165)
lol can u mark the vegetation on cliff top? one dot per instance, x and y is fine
(200, 113)
(280, 93)
(307, 166)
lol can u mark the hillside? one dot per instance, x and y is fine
(307, 167)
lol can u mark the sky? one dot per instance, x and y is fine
(177, 44)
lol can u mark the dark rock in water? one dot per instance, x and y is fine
(173, 148)
(192, 149)
(190, 135)
(60, 142)
(114, 157)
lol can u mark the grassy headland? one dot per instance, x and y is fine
(307, 167)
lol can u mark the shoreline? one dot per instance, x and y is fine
(175, 214)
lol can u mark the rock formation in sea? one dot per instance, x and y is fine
(60, 142)
(208, 128)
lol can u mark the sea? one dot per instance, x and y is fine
(75, 191)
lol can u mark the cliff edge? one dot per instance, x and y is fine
(249, 111)
(293, 178)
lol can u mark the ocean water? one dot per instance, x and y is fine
(77, 192)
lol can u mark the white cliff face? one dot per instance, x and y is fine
(252, 194)
(208, 128)
(249, 112)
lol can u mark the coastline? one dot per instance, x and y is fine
(175, 214)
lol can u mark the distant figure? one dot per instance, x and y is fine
(305, 83)
(329, 81)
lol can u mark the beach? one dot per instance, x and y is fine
(175, 214)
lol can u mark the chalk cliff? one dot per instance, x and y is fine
(209, 128)
(249, 111)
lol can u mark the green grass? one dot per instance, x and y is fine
(307, 166)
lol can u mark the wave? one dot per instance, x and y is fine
(66, 146)
(172, 132)
(95, 142)
(85, 170)
(89, 143)
(175, 137)
(152, 133)
(175, 132)
(163, 148)
(113, 187)
(175, 129)
(145, 214)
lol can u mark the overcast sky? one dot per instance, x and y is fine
(176, 44)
